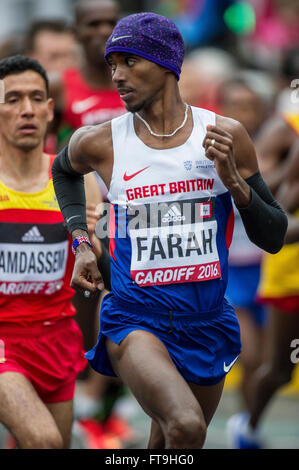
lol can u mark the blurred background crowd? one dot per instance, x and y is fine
(256, 40)
(242, 61)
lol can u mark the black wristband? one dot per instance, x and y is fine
(70, 192)
(264, 220)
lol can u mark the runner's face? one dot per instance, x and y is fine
(26, 112)
(243, 105)
(138, 81)
(94, 28)
(55, 51)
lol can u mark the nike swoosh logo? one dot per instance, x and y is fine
(79, 107)
(70, 218)
(120, 37)
(227, 368)
(129, 177)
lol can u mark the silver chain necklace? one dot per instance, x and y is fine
(165, 135)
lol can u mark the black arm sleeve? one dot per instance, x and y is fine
(264, 220)
(70, 192)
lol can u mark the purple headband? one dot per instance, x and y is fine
(153, 37)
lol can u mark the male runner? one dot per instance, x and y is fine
(279, 290)
(166, 328)
(273, 144)
(85, 95)
(52, 43)
(42, 346)
(239, 101)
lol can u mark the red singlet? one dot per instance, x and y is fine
(36, 261)
(85, 106)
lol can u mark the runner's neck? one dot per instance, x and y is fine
(27, 173)
(95, 76)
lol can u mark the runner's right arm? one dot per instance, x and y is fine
(81, 156)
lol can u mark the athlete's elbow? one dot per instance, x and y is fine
(270, 238)
(284, 228)
(274, 248)
(277, 235)
(268, 245)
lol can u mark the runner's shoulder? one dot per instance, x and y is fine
(92, 141)
(232, 126)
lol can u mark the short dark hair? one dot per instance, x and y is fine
(19, 64)
(55, 26)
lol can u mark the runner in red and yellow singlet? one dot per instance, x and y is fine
(41, 344)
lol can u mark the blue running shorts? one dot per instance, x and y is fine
(241, 291)
(203, 347)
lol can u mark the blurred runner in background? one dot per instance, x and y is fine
(279, 291)
(53, 44)
(239, 101)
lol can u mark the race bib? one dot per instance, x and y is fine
(173, 242)
(34, 260)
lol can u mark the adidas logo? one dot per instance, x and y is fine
(33, 235)
(173, 215)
